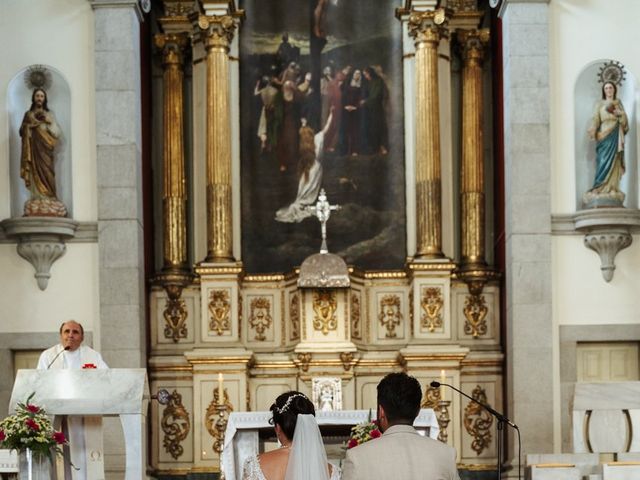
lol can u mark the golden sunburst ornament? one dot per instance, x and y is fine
(37, 76)
(613, 72)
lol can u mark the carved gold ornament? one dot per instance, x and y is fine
(216, 418)
(431, 303)
(477, 421)
(324, 307)
(390, 316)
(475, 313)
(355, 317)
(220, 309)
(347, 360)
(303, 361)
(175, 425)
(431, 398)
(260, 317)
(175, 317)
(294, 313)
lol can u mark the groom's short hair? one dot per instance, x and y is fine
(400, 395)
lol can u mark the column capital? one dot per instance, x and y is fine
(172, 46)
(473, 43)
(217, 30)
(429, 26)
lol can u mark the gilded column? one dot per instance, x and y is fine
(217, 35)
(472, 199)
(427, 28)
(174, 197)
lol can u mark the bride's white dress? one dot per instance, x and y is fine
(252, 471)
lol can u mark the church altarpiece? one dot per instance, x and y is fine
(223, 69)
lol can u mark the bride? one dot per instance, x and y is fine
(302, 455)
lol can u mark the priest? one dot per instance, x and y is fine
(84, 433)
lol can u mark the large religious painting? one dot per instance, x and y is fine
(321, 108)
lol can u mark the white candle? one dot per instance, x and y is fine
(220, 389)
(443, 379)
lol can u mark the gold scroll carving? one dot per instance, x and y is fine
(294, 313)
(260, 317)
(475, 313)
(216, 418)
(175, 317)
(431, 398)
(390, 316)
(220, 310)
(175, 424)
(355, 317)
(477, 421)
(325, 305)
(432, 303)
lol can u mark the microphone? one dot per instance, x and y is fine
(56, 357)
(499, 416)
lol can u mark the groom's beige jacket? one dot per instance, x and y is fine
(401, 454)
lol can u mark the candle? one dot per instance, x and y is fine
(220, 389)
(443, 379)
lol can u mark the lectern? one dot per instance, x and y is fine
(98, 392)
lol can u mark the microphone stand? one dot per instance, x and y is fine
(501, 420)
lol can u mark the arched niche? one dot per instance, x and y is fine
(588, 91)
(19, 94)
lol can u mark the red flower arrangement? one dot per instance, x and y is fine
(89, 365)
(31, 428)
(363, 432)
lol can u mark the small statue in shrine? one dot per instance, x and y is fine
(40, 134)
(608, 128)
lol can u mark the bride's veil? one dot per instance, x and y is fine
(307, 459)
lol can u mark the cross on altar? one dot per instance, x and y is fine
(322, 211)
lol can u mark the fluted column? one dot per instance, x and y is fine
(472, 199)
(174, 196)
(217, 35)
(426, 28)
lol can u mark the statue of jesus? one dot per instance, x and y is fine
(40, 135)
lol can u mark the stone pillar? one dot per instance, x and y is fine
(120, 216)
(472, 199)
(427, 28)
(217, 35)
(529, 325)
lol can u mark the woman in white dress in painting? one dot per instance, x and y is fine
(311, 151)
(301, 455)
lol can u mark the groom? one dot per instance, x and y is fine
(401, 452)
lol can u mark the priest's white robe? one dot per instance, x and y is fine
(85, 433)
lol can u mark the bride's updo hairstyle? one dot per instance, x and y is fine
(286, 409)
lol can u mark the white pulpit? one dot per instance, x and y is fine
(98, 392)
(241, 438)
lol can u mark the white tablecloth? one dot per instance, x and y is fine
(241, 437)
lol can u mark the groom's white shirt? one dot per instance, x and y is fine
(402, 454)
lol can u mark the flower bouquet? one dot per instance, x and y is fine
(30, 431)
(363, 432)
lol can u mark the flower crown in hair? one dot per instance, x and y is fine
(284, 408)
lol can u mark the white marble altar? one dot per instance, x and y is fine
(585, 463)
(606, 417)
(621, 471)
(241, 437)
(553, 473)
(104, 392)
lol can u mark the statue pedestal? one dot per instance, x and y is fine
(41, 241)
